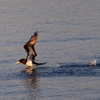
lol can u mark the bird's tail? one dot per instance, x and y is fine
(39, 63)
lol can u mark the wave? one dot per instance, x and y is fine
(61, 70)
(70, 70)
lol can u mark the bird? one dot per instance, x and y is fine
(29, 47)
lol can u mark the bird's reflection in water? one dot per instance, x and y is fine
(32, 86)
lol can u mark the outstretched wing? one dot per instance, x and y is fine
(29, 46)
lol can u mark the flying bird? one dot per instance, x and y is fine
(29, 47)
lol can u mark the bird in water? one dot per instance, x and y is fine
(29, 61)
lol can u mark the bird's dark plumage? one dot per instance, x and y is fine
(31, 53)
(29, 46)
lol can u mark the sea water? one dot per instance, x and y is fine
(68, 40)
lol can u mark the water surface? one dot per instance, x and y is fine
(69, 39)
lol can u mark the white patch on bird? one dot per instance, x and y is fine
(29, 60)
(29, 63)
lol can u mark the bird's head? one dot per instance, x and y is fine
(23, 61)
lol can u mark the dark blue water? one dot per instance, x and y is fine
(69, 39)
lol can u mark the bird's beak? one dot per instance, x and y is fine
(17, 63)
